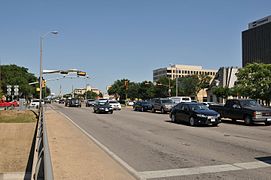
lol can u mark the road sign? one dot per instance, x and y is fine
(9, 90)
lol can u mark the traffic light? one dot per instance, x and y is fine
(43, 83)
(81, 73)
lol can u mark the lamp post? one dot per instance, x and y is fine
(41, 43)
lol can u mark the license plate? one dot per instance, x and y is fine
(268, 119)
(106, 109)
(212, 120)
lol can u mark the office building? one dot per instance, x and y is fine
(225, 77)
(256, 42)
(174, 71)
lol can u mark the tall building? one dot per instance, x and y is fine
(225, 77)
(256, 42)
(181, 71)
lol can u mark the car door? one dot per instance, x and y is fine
(186, 113)
(178, 112)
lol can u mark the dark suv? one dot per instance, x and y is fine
(163, 105)
(74, 102)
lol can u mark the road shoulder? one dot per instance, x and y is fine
(75, 156)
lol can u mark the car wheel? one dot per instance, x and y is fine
(192, 121)
(267, 123)
(248, 120)
(173, 118)
(215, 124)
(162, 111)
(233, 120)
(111, 112)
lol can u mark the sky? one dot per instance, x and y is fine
(116, 39)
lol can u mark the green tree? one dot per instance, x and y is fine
(221, 92)
(15, 75)
(163, 86)
(254, 81)
(191, 85)
(91, 95)
(118, 89)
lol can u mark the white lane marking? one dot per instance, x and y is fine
(104, 148)
(203, 170)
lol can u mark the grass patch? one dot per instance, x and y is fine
(14, 116)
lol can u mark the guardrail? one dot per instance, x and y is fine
(42, 165)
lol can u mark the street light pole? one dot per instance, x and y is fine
(41, 44)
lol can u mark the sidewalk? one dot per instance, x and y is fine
(75, 156)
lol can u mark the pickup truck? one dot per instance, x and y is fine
(248, 110)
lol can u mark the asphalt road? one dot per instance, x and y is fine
(155, 148)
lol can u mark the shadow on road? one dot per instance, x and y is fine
(266, 159)
(240, 122)
(186, 124)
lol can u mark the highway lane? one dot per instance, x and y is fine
(152, 145)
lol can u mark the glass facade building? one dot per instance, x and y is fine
(256, 42)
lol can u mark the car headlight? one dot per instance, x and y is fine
(201, 115)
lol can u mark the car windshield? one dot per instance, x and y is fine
(113, 101)
(195, 107)
(250, 103)
(166, 101)
(101, 102)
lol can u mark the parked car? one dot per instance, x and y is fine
(248, 110)
(130, 103)
(142, 106)
(163, 105)
(90, 102)
(8, 104)
(114, 104)
(47, 101)
(35, 103)
(73, 102)
(194, 114)
(61, 101)
(102, 107)
(179, 99)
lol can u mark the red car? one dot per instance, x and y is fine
(8, 104)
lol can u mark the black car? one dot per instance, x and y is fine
(142, 106)
(194, 114)
(102, 107)
(74, 102)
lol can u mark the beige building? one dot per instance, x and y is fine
(177, 71)
(181, 71)
(82, 91)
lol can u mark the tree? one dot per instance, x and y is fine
(164, 87)
(221, 92)
(191, 85)
(254, 81)
(15, 75)
(90, 95)
(118, 89)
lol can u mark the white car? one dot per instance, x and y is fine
(114, 104)
(35, 103)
